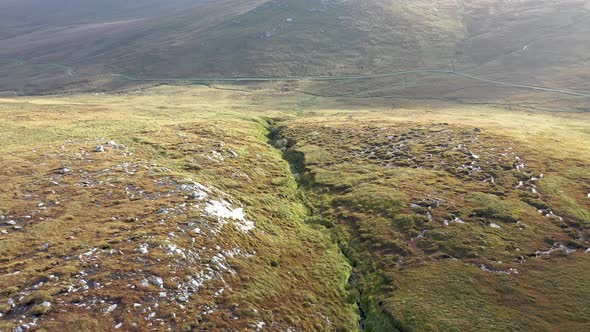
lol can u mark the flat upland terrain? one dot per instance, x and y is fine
(249, 209)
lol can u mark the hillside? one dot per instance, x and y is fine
(294, 165)
(534, 42)
(223, 208)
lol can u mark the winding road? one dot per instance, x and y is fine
(71, 72)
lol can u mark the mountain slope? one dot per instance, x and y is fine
(535, 42)
(25, 16)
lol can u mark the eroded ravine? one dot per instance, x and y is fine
(370, 316)
(382, 192)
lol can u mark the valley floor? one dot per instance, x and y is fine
(197, 208)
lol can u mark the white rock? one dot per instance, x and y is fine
(198, 195)
(157, 281)
(223, 210)
(110, 309)
(99, 148)
(143, 248)
(46, 304)
(494, 225)
(118, 326)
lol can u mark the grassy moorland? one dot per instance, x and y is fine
(456, 219)
(149, 235)
(418, 218)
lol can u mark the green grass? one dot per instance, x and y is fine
(295, 278)
(413, 272)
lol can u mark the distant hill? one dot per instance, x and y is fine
(536, 42)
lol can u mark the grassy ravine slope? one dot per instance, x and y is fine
(84, 250)
(455, 220)
(406, 210)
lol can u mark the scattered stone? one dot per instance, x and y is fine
(46, 304)
(281, 144)
(64, 170)
(110, 309)
(198, 195)
(157, 281)
(99, 148)
(118, 326)
(494, 225)
(477, 130)
(487, 269)
(45, 246)
(143, 248)
(11, 222)
(233, 153)
(455, 220)
(557, 247)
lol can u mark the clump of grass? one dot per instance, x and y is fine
(373, 199)
(39, 310)
(492, 207)
(407, 222)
